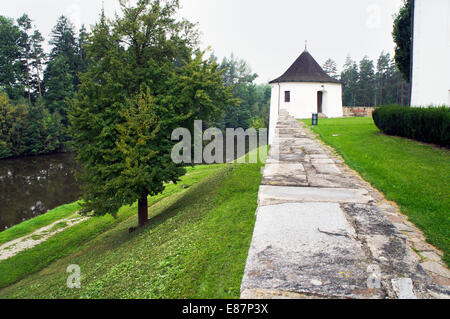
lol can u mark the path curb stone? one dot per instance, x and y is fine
(323, 232)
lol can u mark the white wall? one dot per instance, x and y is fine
(431, 53)
(273, 111)
(304, 101)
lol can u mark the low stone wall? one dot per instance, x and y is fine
(362, 111)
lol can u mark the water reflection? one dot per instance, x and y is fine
(33, 185)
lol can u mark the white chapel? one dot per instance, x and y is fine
(305, 89)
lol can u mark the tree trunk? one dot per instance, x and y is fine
(401, 93)
(28, 83)
(381, 92)
(38, 78)
(143, 210)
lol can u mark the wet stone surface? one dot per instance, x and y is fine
(323, 232)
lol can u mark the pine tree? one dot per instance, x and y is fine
(37, 60)
(63, 40)
(44, 132)
(83, 38)
(330, 68)
(382, 76)
(59, 86)
(366, 92)
(11, 67)
(61, 74)
(24, 23)
(350, 78)
(402, 35)
(237, 75)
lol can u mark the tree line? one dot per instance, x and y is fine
(254, 99)
(369, 83)
(36, 87)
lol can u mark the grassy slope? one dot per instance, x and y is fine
(70, 240)
(31, 225)
(195, 247)
(414, 175)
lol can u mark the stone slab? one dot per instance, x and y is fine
(283, 169)
(326, 168)
(318, 156)
(330, 181)
(322, 161)
(272, 194)
(436, 268)
(403, 287)
(305, 248)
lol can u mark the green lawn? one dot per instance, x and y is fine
(195, 247)
(414, 175)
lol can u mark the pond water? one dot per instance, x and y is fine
(31, 186)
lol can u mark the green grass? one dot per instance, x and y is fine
(29, 226)
(414, 175)
(68, 241)
(195, 246)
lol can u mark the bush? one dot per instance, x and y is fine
(430, 125)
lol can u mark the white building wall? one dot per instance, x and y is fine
(304, 101)
(431, 53)
(274, 103)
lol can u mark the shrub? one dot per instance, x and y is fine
(430, 125)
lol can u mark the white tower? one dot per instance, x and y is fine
(431, 53)
(305, 89)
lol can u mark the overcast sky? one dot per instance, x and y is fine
(268, 34)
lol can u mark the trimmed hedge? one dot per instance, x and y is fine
(430, 125)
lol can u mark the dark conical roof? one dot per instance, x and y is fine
(305, 69)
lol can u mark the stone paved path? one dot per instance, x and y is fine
(322, 232)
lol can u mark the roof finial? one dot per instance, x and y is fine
(306, 45)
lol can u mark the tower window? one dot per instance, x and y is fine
(287, 96)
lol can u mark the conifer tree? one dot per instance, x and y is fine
(366, 91)
(24, 23)
(349, 78)
(330, 68)
(60, 76)
(37, 60)
(146, 79)
(402, 35)
(11, 67)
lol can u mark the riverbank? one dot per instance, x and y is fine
(194, 247)
(31, 186)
